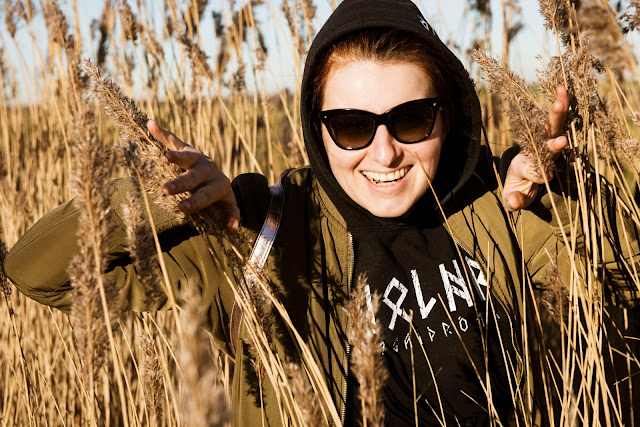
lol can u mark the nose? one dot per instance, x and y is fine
(384, 148)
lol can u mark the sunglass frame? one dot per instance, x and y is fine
(380, 119)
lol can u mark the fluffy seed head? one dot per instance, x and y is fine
(197, 57)
(306, 399)
(152, 378)
(90, 185)
(5, 287)
(132, 126)
(128, 20)
(203, 399)
(104, 28)
(555, 297)
(598, 25)
(13, 11)
(56, 22)
(367, 362)
(527, 115)
(630, 19)
(141, 248)
(559, 16)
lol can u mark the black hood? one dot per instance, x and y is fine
(462, 148)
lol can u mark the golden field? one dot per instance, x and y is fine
(163, 368)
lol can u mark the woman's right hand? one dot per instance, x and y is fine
(522, 183)
(202, 178)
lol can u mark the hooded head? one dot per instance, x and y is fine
(373, 55)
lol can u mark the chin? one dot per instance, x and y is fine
(390, 210)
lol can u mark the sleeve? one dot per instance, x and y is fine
(37, 263)
(554, 219)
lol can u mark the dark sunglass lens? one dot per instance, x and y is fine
(351, 131)
(412, 122)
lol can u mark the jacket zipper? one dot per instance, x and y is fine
(509, 315)
(346, 359)
(457, 242)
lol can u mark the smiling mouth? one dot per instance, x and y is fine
(386, 178)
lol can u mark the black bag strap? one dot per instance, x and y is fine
(257, 259)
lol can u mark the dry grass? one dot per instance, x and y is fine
(367, 363)
(103, 366)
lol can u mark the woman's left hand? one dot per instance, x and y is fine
(205, 183)
(522, 183)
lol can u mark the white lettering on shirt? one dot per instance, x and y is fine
(424, 309)
(446, 328)
(479, 279)
(407, 341)
(461, 290)
(395, 307)
(431, 332)
(462, 323)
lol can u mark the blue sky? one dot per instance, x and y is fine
(449, 17)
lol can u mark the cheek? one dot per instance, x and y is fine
(429, 156)
(341, 161)
(435, 157)
(329, 147)
(326, 139)
(435, 153)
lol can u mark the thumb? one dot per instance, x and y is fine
(514, 201)
(232, 218)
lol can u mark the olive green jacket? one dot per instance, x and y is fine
(311, 269)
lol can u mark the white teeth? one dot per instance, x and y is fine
(381, 178)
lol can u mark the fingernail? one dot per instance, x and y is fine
(186, 205)
(168, 188)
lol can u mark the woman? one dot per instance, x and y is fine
(400, 188)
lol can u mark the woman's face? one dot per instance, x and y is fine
(370, 175)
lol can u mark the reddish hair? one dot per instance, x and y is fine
(384, 46)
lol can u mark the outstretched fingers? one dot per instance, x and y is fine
(198, 173)
(558, 113)
(523, 181)
(554, 127)
(171, 141)
(186, 159)
(556, 145)
(216, 191)
(201, 177)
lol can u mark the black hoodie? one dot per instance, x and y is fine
(412, 262)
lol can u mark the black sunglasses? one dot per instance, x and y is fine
(408, 123)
